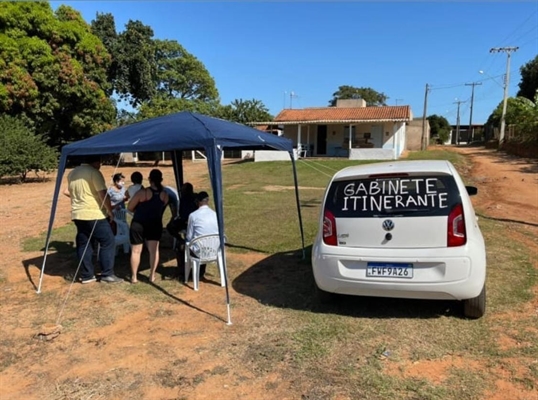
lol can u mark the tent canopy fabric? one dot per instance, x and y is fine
(180, 131)
(176, 133)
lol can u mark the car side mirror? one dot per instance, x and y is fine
(471, 190)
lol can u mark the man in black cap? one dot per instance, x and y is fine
(202, 222)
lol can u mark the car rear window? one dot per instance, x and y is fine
(409, 196)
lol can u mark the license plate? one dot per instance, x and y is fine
(390, 270)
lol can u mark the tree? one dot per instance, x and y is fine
(439, 127)
(22, 151)
(246, 111)
(53, 72)
(521, 112)
(160, 106)
(529, 79)
(104, 27)
(372, 97)
(181, 75)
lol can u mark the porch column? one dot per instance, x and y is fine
(299, 138)
(308, 137)
(350, 139)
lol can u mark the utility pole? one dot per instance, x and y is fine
(471, 130)
(508, 51)
(424, 143)
(458, 122)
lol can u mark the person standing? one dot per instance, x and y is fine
(202, 222)
(136, 179)
(147, 225)
(90, 206)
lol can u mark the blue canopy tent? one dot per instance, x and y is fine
(176, 133)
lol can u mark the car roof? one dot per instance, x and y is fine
(415, 166)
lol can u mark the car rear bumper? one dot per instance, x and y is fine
(434, 277)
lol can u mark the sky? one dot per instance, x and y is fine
(271, 50)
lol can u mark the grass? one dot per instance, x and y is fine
(356, 347)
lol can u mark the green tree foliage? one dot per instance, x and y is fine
(133, 68)
(22, 151)
(182, 75)
(246, 111)
(372, 97)
(53, 71)
(160, 106)
(439, 127)
(529, 79)
(104, 27)
(521, 112)
(144, 68)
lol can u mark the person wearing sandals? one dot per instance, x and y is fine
(148, 205)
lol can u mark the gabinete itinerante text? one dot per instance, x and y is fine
(394, 194)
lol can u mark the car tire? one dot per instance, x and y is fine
(476, 307)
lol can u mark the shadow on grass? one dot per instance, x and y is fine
(64, 263)
(284, 280)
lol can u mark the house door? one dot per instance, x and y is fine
(377, 136)
(321, 143)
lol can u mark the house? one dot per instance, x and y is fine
(348, 130)
(462, 133)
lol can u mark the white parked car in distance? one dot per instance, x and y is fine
(404, 229)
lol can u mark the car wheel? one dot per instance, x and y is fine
(475, 307)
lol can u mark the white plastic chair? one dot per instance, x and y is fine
(121, 214)
(122, 236)
(207, 249)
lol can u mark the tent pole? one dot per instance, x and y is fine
(177, 162)
(61, 169)
(298, 202)
(214, 159)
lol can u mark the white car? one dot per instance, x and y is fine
(404, 229)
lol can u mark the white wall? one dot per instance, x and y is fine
(371, 154)
(273, 155)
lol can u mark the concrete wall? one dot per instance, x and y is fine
(371, 154)
(350, 103)
(273, 155)
(414, 134)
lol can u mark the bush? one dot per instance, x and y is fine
(22, 151)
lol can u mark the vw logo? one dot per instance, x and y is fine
(388, 225)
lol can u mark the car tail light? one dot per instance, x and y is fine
(329, 228)
(456, 227)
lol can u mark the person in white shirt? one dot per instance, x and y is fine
(202, 222)
(136, 178)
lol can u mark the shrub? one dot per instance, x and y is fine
(22, 151)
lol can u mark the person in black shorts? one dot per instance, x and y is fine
(148, 205)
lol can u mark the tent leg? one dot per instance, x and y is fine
(298, 203)
(229, 317)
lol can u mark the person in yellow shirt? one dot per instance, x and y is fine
(90, 207)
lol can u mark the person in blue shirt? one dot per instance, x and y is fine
(117, 192)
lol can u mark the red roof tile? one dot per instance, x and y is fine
(342, 114)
